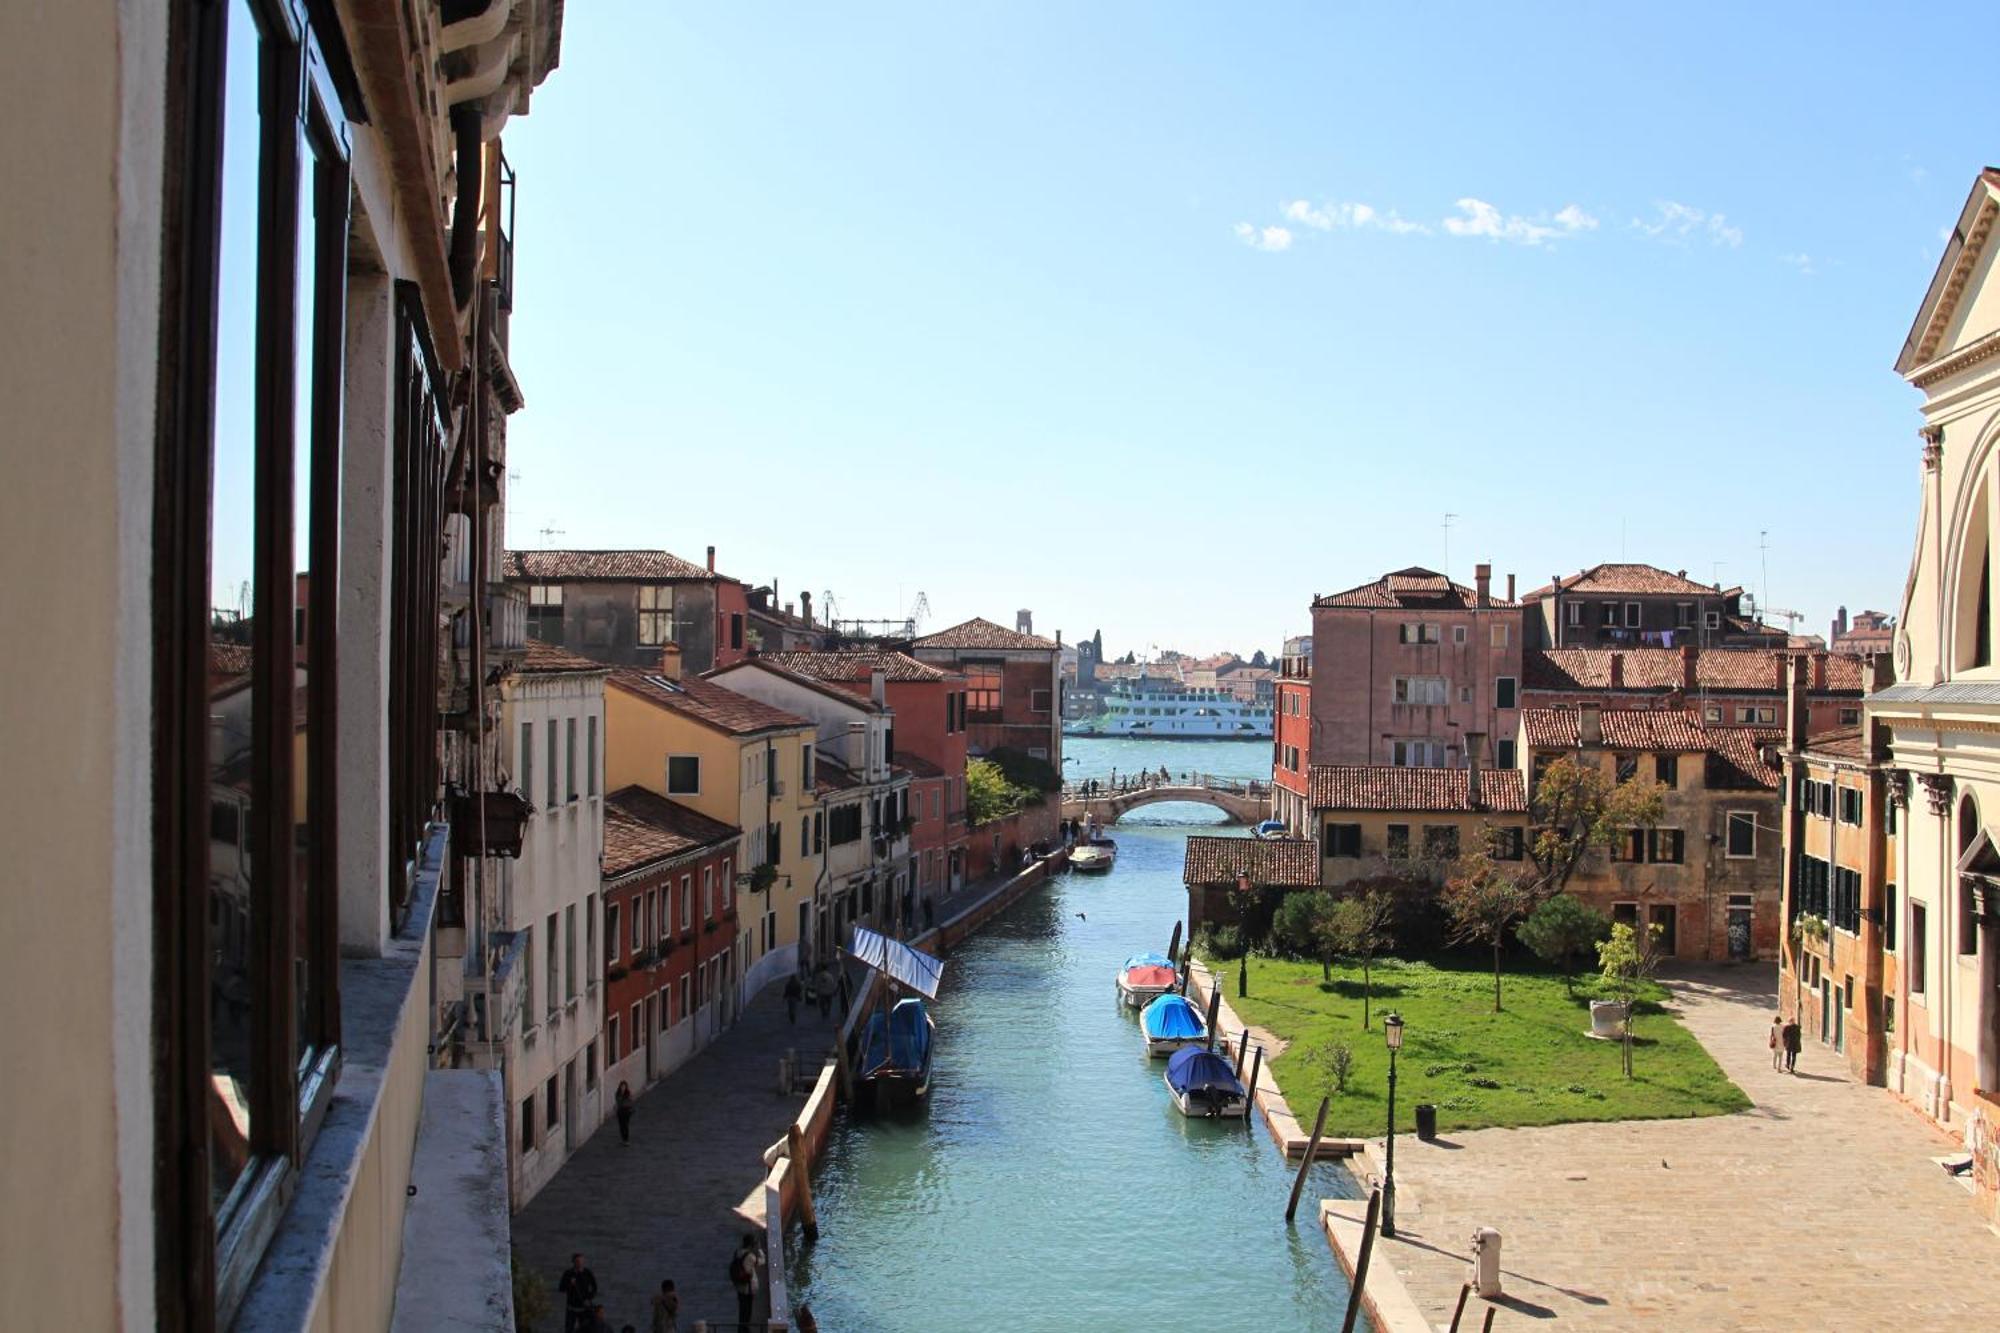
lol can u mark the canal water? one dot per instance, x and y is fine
(1050, 1184)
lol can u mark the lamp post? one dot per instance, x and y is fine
(1392, 1033)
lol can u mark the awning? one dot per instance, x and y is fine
(913, 968)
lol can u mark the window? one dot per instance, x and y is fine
(1500, 636)
(844, 824)
(656, 615)
(1465, 694)
(1038, 701)
(1631, 615)
(1420, 689)
(1742, 834)
(553, 953)
(1415, 632)
(708, 893)
(554, 772)
(1610, 611)
(1712, 619)
(819, 831)
(528, 1009)
(1503, 692)
(1711, 714)
(1850, 717)
(1398, 842)
(1503, 753)
(569, 756)
(1850, 806)
(1757, 716)
(1684, 614)
(527, 1124)
(610, 933)
(1668, 846)
(1919, 948)
(1629, 845)
(687, 902)
(590, 756)
(683, 775)
(1506, 844)
(805, 835)
(735, 629)
(569, 952)
(687, 996)
(727, 881)
(612, 1053)
(1625, 914)
(1628, 767)
(1845, 913)
(639, 924)
(1417, 754)
(1343, 840)
(982, 691)
(551, 1116)
(1575, 616)
(1440, 842)
(1458, 634)
(590, 1065)
(1662, 918)
(805, 769)
(545, 612)
(528, 760)
(1667, 770)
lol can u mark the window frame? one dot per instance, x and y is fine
(653, 623)
(1729, 823)
(684, 790)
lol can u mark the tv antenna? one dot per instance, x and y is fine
(1448, 520)
(546, 533)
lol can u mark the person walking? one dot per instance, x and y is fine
(823, 990)
(793, 993)
(1791, 1041)
(667, 1308)
(1777, 1041)
(621, 1102)
(578, 1286)
(743, 1267)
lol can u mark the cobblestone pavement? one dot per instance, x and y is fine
(1818, 1208)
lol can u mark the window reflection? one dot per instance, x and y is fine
(305, 311)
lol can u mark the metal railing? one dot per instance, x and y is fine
(1124, 784)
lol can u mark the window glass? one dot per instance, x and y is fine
(683, 774)
(656, 615)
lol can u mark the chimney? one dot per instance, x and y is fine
(711, 568)
(1590, 724)
(1782, 664)
(1819, 673)
(1482, 581)
(1680, 573)
(670, 661)
(878, 685)
(1796, 711)
(806, 607)
(1617, 671)
(1473, 741)
(1024, 622)
(1690, 673)
(1510, 587)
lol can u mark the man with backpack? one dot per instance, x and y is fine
(743, 1267)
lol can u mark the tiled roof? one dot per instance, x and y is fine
(1632, 578)
(230, 659)
(1729, 670)
(1736, 758)
(1845, 743)
(641, 566)
(847, 698)
(1380, 787)
(707, 702)
(1414, 587)
(1735, 754)
(830, 774)
(545, 659)
(978, 633)
(1287, 863)
(855, 666)
(642, 827)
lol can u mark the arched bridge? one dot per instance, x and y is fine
(1243, 802)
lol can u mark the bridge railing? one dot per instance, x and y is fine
(1127, 783)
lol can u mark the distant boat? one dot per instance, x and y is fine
(1271, 828)
(1144, 976)
(1202, 1083)
(894, 1067)
(1172, 1023)
(1094, 855)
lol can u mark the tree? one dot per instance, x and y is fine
(1299, 927)
(1257, 659)
(1361, 927)
(1562, 930)
(988, 794)
(1480, 901)
(1627, 964)
(1577, 807)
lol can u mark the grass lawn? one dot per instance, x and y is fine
(1530, 1064)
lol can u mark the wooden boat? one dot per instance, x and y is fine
(1144, 976)
(1203, 1084)
(1093, 855)
(894, 1065)
(1172, 1023)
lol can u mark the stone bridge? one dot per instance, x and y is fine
(1243, 802)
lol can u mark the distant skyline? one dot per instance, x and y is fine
(1160, 321)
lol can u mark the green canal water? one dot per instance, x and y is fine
(1050, 1184)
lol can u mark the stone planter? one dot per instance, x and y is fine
(1607, 1019)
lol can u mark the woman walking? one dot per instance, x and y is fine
(622, 1100)
(1777, 1041)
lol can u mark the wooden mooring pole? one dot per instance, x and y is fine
(1256, 1068)
(1174, 948)
(796, 1144)
(1312, 1151)
(1458, 1311)
(1242, 1050)
(1214, 1011)
(1361, 1260)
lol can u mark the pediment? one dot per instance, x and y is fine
(1960, 314)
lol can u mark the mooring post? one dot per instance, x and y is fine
(1187, 967)
(796, 1143)
(1312, 1151)
(1174, 949)
(1256, 1068)
(1361, 1260)
(1214, 1010)
(1242, 1049)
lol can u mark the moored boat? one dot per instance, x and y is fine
(894, 1065)
(1172, 1023)
(1093, 856)
(1144, 976)
(1202, 1083)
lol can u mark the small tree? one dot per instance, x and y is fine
(1361, 927)
(1562, 930)
(1481, 901)
(1627, 964)
(1299, 926)
(1335, 1061)
(1577, 807)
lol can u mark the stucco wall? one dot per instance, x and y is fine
(1357, 656)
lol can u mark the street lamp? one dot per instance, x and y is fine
(1392, 1033)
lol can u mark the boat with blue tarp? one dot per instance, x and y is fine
(894, 1064)
(1202, 1083)
(1171, 1022)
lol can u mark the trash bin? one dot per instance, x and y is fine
(1427, 1122)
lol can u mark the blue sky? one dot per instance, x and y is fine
(983, 299)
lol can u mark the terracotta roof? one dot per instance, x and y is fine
(639, 566)
(1642, 580)
(1381, 787)
(848, 698)
(1736, 758)
(1846, 743)
(830, 774)
(1730, 670)
(707, 702)
(230, 659)
(545, 659)
(855, 666)
(1735, 754)
(978, 633)
(1412, 588)
(643, 827)
(1288, 863)
(919, 766)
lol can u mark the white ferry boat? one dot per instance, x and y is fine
(1167, 710)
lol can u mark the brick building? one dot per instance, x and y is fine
(1373, 819)
(1212, 868)
(1404, 668)
(1013, 684)
(1723, 686)
(1869, 633)
(622, 607)
(1634, 605)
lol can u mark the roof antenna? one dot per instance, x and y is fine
(546, 533)
(1447, 546)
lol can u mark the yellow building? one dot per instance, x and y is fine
(1374, 819)
(735, 759)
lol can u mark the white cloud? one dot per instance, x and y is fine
(1338, 216)
(1573, 218)
(1268, 239)
(1802, 262)
(1480, 218)
(1678, 224)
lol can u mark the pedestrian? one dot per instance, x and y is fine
(578, 1286)
(743, 1276)
(1777, 1041)
(621, 1101)
(667, 1308)
(1792, 1047)
(793, 993)
(823, 990)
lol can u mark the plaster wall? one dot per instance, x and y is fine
(1357, 656)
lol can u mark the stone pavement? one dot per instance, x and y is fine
(1820, 1207)
(678, 1200)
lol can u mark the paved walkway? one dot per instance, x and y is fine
(1820, 1207)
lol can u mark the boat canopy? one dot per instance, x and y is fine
(912, 967)
(1172, 1016)
(1198, 1070)
(896, 1042)
(1150, 974)
(1149, 960)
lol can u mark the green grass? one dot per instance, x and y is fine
(1530, 1064)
